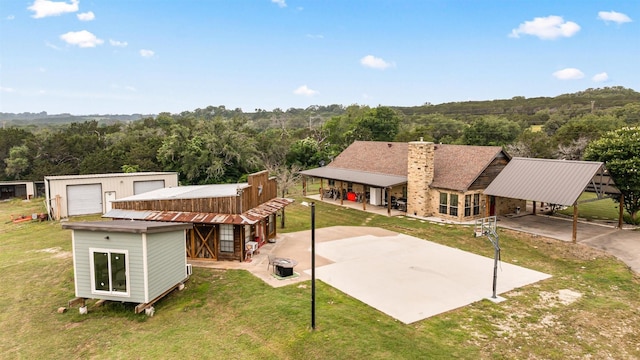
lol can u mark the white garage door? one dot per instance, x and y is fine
(84, 199)
(140, 187)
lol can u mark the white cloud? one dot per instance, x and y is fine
(147, 53)
(54, 47)
(616, 17)
(305, 91)
(313, 36)
(44, 8)
(6, 89)
(568, 74)
(546, 28)
(88, 16)
(281, 3)
(10, 17)
(601, 77)
(375, 62)
(118, 43)
(83, 39)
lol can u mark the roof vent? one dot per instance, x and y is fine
(389, 145)
(421, 139)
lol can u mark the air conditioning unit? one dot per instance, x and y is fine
(189, 270)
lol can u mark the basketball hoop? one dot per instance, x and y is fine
(487, 227)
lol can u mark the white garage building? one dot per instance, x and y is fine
(70, 195)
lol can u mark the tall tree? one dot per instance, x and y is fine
(491, 130)
(619, 150)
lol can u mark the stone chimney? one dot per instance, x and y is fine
(419, 177)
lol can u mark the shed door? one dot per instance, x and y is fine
(84, 199)
(140, 187)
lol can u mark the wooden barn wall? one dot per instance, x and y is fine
(490, 173)
(250, 198)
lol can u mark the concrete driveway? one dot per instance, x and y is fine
(621, 243)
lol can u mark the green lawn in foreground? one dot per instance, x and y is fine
(233, 315)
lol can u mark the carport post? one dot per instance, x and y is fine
(574, 232)
(621, 211)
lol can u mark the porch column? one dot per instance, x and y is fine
(364, 197)
(341, 197)
(304, 186)
(534, 207)
(389, 201)
(321, 188)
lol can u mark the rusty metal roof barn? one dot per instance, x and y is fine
(552, 181)
(247, 218)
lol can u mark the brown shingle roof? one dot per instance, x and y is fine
(374, 156)
(456, 166)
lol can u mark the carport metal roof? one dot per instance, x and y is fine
(552, 181)
(361, 177)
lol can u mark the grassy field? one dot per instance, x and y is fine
(599, 210)
(588, 309)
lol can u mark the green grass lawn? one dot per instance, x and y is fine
(599, 210)
(233, 315)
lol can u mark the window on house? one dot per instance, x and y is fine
(467, 205)
(226, 238)
(350, 187)
(109, 271)
(443, 203)
(476, 204)
(332, 183)
(453, 204)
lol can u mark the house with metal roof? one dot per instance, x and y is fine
(421, 178)
(230, 221)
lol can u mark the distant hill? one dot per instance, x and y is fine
(580, 102)
(517, 108)
(44, 119)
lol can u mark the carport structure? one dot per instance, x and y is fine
(559, 182)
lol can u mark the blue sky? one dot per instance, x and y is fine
(143, 56)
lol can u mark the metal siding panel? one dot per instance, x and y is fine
(166, 260)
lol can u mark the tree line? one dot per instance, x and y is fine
(219, 145)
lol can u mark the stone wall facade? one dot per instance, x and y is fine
(419, 177)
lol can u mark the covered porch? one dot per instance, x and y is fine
(358, 189)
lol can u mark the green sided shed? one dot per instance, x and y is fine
(128, 261)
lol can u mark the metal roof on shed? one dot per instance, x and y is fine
(188, 192)
(126, 226)
(247, 218)
(92, 176)
(362, 177)
(552, 181)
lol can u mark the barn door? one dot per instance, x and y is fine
(201, 242)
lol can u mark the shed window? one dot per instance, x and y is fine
(226, 238)
(443, 203)
(453, 204)
(109, 271)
